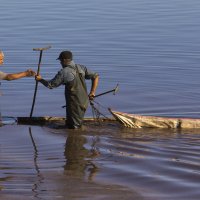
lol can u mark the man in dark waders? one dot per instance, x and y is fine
(73, 77)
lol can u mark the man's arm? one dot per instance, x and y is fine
(94, 85)
(95, 80)
(27, 73)
(53, 83)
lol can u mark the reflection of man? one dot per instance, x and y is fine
(78, 157)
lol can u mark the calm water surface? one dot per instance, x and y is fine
(151, 48)
(104, 162)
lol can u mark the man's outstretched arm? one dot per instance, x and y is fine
(14, 76)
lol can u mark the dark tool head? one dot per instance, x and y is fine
(116, 89)
(41, 49)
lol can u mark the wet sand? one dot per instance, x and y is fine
(99, 162)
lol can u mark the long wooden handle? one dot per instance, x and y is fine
(36, 84)
(38, 72)
(109, 91)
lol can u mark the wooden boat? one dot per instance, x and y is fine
(49, 120)
(125, 119)
(139, 121)
(60, 121)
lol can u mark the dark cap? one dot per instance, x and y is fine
(65, 55)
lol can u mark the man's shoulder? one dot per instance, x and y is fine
(81, 67)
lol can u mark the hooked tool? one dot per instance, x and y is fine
(109, 91)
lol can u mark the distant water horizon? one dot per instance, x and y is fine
(149, 48)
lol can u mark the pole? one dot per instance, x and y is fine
(38, 72)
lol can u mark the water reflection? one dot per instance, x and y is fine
(49, 163)
(79, 154)
(39, 176)
(78, 158)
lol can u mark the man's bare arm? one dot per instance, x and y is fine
(14, 76)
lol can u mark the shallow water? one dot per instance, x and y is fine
(104, 162)
(151, 48)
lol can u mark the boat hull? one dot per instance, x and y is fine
(49, 120)
(125, 119)
(139, 121)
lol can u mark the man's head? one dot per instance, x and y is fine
(1, 57)
(67, 55)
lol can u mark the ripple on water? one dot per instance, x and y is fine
(35, 160)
